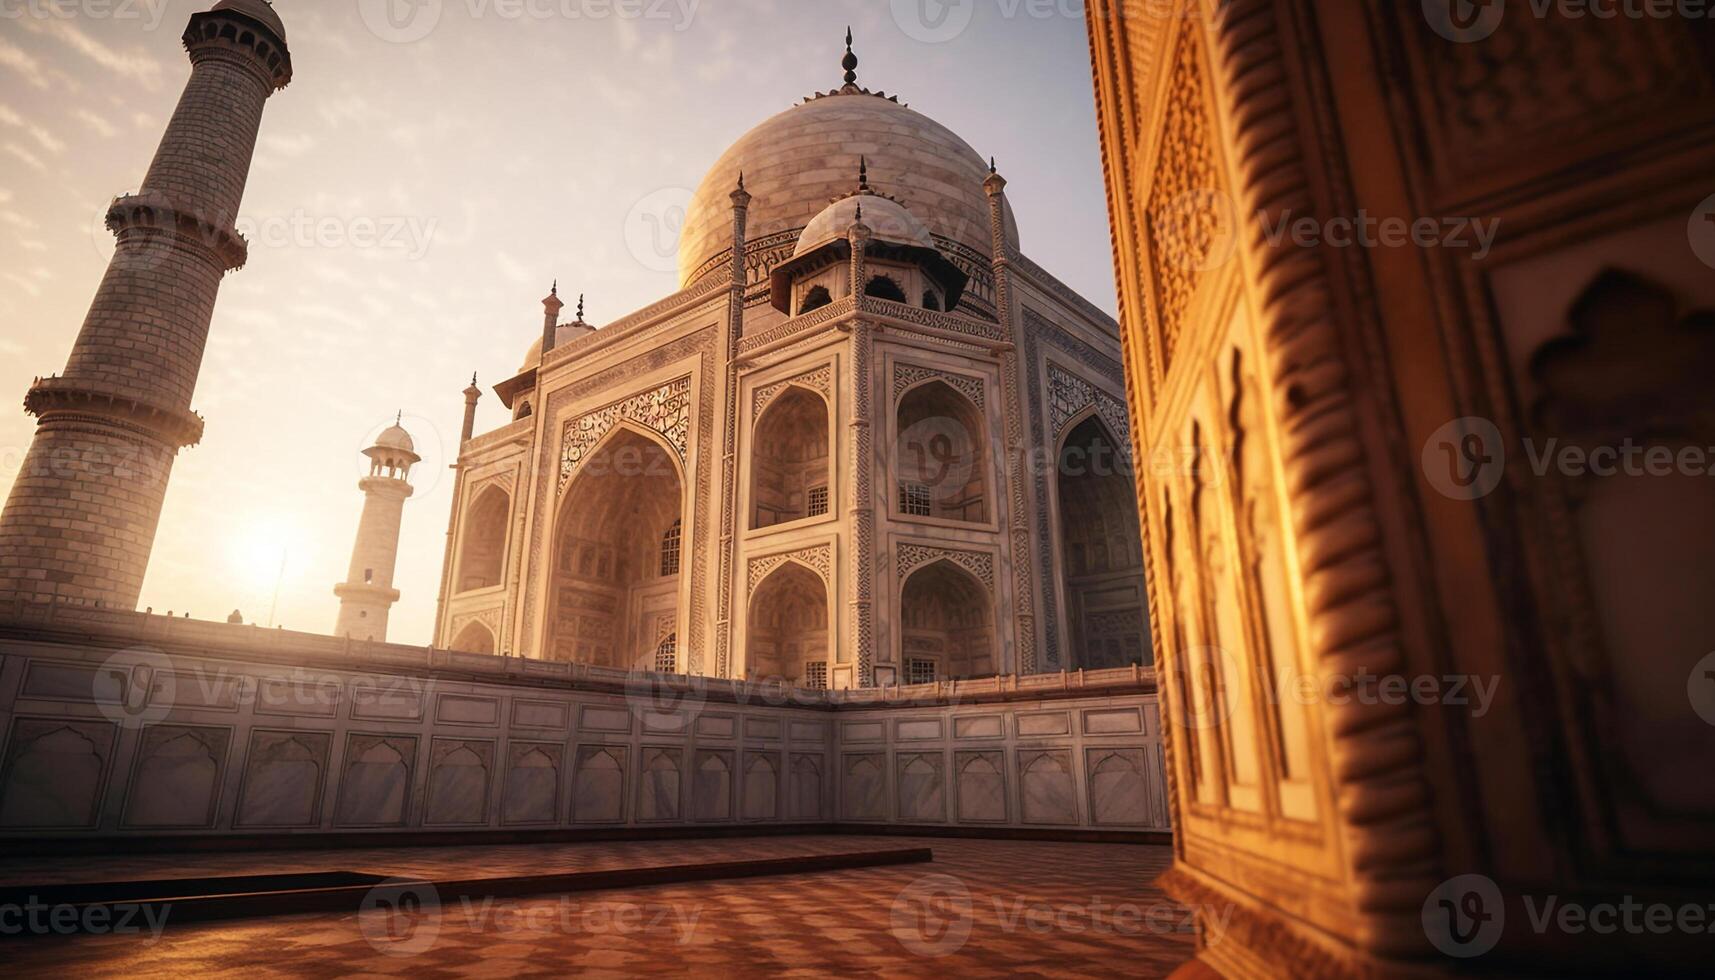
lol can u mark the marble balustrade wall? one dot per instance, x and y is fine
(104, 738)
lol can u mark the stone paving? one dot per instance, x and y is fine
(983, 908)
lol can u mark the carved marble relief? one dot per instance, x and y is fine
(459, 777)
(532, 790)
(666, 410)
(375, 784)
(820, 381)
(55, 773)
(906, 376)
(910, 557)
(819, 559)
(598, 785)
(176, 779)
(283, 777)
(1070, 396)
(1186, 194)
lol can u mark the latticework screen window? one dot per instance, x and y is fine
(667, 656)
(914, 500)
(818, 499)
(919, 670)
(670, 550)
(816, 675)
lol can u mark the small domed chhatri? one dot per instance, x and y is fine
(791, 469)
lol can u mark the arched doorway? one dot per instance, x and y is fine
(789, 460)
(946, 625)
(616, 555)
(474, 638)
(482, 551)
(1101, 552)
(939, 462)
(787, 632)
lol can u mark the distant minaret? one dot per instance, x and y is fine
(367, 593)
(82, 515)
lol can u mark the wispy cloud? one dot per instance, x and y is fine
(50, 142)
(511, 268)
(33, 161)
(102, 127)
(22, 62)
(131, 65)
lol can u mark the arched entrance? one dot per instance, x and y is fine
(787, 632)
(474, 638)
(1101, 552)
(947, 625)
(616, 555)
(789, 460)
(482, 551)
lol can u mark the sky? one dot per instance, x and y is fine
(432, 168)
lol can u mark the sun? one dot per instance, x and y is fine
(259, 552)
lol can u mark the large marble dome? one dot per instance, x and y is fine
(797, 162)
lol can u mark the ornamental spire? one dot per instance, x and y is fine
(863, 175)
(850, 62)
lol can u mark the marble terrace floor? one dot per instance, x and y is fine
(983, 908)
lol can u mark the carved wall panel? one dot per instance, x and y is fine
(55, 773)
(176, 779)
(666, 409)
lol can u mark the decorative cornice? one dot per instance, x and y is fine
(211, 235)
(56, 397)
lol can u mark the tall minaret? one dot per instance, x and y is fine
(82, 515)
(367, 593)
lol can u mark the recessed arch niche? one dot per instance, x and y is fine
(789, 470)
(947, 618)
(609, 599)
(940, 466)
(482, 549)
(787, 629)
(1101, 551)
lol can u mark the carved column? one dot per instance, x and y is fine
(1019, 458)
(731, 336)
(862, 545)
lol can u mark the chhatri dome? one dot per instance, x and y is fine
(798, 161)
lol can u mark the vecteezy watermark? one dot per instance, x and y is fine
(1215, 673)
(932, 916)
(404, 21)
(400, 917)
(653, 226)
(1465, 916)
(404, 917)
(150, 12)
(136, 687)
(1466, 458)
(1467, 21)
(1700, 688)
(570, 917)
(38, 918)
(935, 915)
(1366, 230)
(1701, 231)
(409, 234)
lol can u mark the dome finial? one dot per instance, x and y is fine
(580, 307)
(850, 62)
(863, 175)
(992, 166)
(400, 418)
